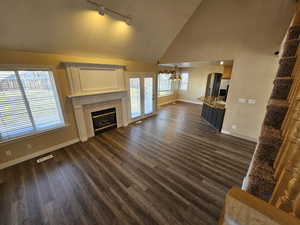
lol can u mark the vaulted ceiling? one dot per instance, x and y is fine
(73, 27)
(224, 29)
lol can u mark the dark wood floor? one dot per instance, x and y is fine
(171, 169)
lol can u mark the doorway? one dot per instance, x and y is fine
(142, 95)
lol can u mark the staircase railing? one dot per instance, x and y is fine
(242, 208)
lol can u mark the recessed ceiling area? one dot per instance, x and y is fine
(75, 27)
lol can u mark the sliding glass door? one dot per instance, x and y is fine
(135, 97)
(148, 95)
(142, 98)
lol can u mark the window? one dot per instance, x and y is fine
(28, 103)
(184, 81)
(164, 84)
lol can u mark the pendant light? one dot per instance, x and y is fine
(176, 75)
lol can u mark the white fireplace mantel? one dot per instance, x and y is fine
(96, 87)
(82, 102)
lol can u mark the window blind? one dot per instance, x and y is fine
(164, 84)
(28, 103)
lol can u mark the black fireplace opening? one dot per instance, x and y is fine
(104, 120)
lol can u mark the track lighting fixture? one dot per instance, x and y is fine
(102, 10)
(128, 20)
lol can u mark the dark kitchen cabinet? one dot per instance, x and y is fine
(213, 115)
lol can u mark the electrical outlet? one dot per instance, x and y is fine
(234, 127)
(8, 153)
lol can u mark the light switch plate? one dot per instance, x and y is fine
(242, 100)
(251, 101)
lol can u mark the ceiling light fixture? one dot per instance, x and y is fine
(101, 10)
(175, 74)
(128, 21)
(222, 62)
(104, 10)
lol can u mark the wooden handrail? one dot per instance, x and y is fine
(243, 208)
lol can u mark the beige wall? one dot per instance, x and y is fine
(197, 82)
(221, 29)
(20, 148)
(249, 32)
(252, 78)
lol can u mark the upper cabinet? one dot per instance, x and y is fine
(227, 72)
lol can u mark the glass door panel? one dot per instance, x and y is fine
(148, 95)
(135, 97)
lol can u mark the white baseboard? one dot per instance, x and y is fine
(225, 132)
(168, 102)
(189, 101)
(239, 136)
(143, 117)
(39, 153)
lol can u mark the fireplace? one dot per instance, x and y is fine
(104, 120)
(96, 87)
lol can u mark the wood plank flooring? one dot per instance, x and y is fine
(172, 169)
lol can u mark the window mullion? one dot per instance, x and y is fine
(57, 100)
(25, 99)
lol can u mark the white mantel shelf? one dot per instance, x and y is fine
(85, 104)
(97, 93)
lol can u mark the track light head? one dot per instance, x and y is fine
(128, 20)
(104, 10)
(101, 10)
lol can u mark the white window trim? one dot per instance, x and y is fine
(33, 134)
(18, 67)
(165, 93)
(188, 82)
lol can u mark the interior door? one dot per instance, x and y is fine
(142, 98)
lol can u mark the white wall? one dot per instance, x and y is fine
(197, 82)
(252, 78)
(249, 32)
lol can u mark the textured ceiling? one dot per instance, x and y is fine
(72, 27)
